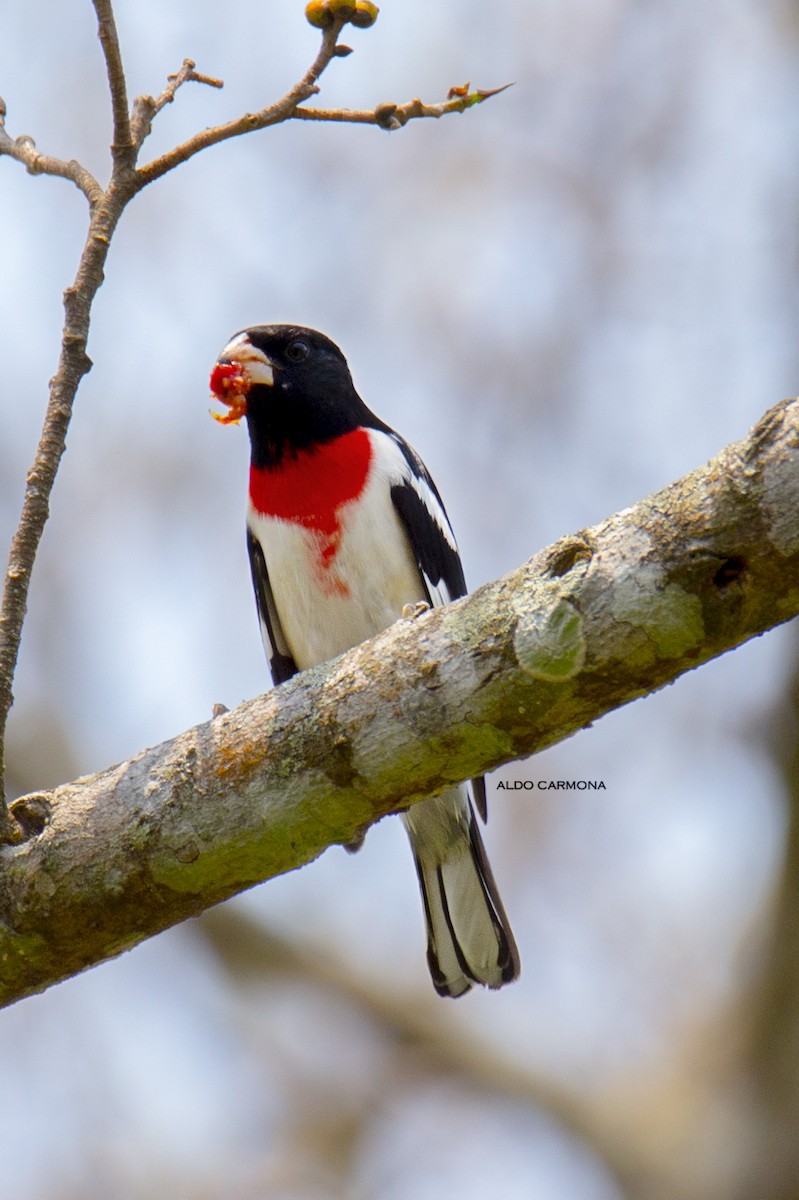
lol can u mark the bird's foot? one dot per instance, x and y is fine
(411, 611)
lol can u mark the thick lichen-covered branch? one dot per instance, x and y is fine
(596, 620)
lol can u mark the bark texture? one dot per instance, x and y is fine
(592, 622)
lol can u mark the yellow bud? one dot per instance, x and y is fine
(365, 14)
(318, 14)
(342, 8)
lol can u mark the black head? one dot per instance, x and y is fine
(295, 387)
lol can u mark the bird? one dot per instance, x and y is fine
(346, 533)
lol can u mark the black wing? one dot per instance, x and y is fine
(281, 663)
(421, 510)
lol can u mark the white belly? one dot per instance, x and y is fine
(327, 606)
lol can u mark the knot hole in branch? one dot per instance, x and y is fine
(730, 571)
(32, 814)
(567, 553)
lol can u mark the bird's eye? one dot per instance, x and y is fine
(297, 350)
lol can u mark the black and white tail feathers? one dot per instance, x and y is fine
(469, 939)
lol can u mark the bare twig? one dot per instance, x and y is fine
(73, 365)
(273, 114)
(147, 108)
(123, 149)
(23, 149)
(394, 116)
(106, 208)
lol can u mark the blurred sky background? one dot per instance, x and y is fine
(564, 299)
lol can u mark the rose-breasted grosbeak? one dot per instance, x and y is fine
(345, 528)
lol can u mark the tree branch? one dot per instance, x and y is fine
(73, 364)
(23, 149)
(589, 624)
(251, 952)
(273, 114)
(147, 108)
(123, 148)
(394, 116)
(773, 1018)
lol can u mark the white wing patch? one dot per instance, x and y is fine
(432, 541)
(420, 481)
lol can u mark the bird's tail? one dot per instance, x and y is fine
(469, 939)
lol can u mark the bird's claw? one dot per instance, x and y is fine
(411, 611)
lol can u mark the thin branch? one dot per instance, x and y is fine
(597, 620)
(273, 114)
(395, 116)
(123, 148)
(72, 366)
(773, 1018)
(147, 108)
(23, 149)
(253, 953)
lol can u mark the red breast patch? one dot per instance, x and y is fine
(311, 489)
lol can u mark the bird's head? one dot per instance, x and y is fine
(294, 387)
(272, 373)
